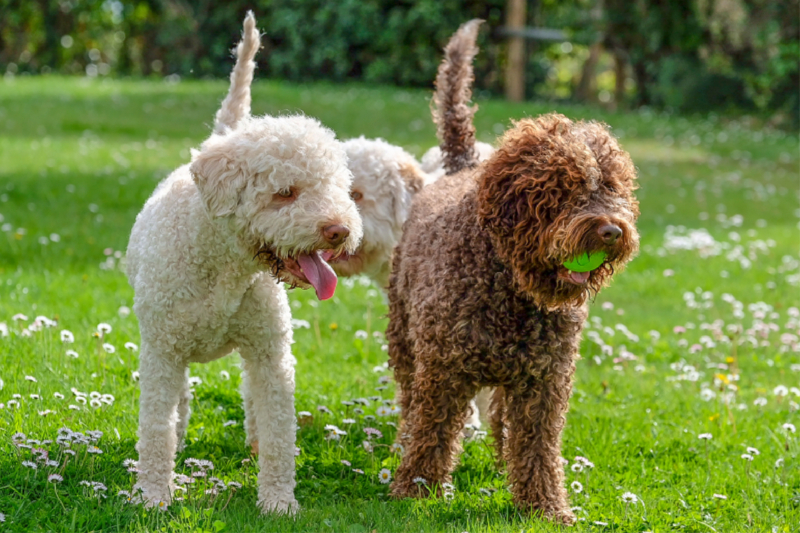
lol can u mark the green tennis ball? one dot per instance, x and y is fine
(585, 262)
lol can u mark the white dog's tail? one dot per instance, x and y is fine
(450, 105)
(237, 104)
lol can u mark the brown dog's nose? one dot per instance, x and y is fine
(610, 233)
(335, 234)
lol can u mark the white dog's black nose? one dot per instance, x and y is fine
(335, 234)
(609, 233)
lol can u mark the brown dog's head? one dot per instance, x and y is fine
(552, 191)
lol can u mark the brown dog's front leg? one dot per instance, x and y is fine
(535, 417)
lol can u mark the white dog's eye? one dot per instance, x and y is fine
(356, 196)
(287, 194)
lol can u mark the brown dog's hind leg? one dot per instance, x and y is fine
(497, 413)
(434, 420)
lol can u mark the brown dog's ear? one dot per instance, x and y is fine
(219, 180)
(413, 177)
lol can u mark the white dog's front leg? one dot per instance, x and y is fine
(270, 387)
(250, 426)
(161, 383)
(184, 411)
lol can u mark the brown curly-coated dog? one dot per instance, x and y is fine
(478, 296)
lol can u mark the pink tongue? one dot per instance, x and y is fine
(319, 274)
(579, 277)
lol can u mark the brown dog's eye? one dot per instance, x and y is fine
(356, 196)
(289, 193)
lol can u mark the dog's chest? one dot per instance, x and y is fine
(216, 324)
(523, 344)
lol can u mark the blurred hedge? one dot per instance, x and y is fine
(691, 55)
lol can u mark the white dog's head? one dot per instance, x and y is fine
(284, 184)
(385, 179)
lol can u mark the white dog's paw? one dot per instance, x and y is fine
(288, 507)
(152, 499)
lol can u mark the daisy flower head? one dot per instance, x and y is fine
(383, 411)
(760, 402)
(630, 497)
(779, 463)
(448, 487)
(103, 328)
(385, 476)
(420, 481)
(704, 436)
(448, 495)
(358, 471)
(577, 467)
(30, 465)
(789, 428)
(747, 457)
(576, 486)
(485, 492)
(31, 379)
(224, 375)
(396, 448)
(753, 451)
(720, 496)
(131, 347)
(372, 432)
(345, 462)
(55, 478)
(109, 348)
(67, 336)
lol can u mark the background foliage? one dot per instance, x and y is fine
(689, 55)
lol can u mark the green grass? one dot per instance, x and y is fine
(79, 158)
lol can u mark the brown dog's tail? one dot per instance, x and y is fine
(450, 105)
(237, 103)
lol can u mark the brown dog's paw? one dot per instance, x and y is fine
(565, 517)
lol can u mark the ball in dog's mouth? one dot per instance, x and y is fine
(578, 269)
(312, 268)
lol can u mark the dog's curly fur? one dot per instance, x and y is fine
(478, 296)
(205, 259)
(385, 180)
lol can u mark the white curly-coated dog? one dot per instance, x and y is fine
(385, 180)
(261, 202)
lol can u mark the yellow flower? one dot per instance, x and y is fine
(334, 326)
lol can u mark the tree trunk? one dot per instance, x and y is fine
(515, 70)
(587, 86)
(619, 79)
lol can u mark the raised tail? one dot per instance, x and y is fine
(450, 105)
(237, 103)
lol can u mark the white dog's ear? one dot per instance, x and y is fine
(413, 177)
(219, 179)
(413, 180)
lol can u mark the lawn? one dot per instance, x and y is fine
(699, 336)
